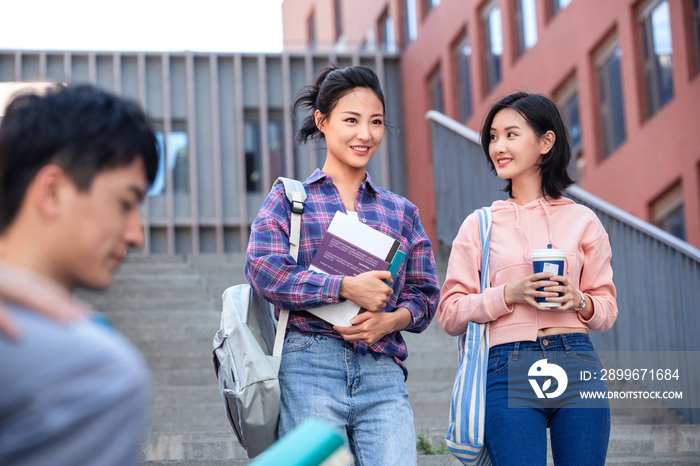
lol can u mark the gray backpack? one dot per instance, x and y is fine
(248, 350)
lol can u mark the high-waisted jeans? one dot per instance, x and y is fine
(364, 397)
(517, 419)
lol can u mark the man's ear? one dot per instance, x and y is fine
(320, 120)
(49, 190)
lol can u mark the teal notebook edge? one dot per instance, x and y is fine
(396, 264)
(309, 444)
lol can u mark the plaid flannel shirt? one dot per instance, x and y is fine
(273, 273)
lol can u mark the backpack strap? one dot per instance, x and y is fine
(297, 195)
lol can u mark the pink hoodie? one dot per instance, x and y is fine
(516, 231)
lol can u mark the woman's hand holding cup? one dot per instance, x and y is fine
(525, 291)
(567, 295)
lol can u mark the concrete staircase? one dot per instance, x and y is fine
(169, 306)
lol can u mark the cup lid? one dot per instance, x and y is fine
(540, 253)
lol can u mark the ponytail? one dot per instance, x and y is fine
(331, 84)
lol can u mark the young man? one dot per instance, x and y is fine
(74, 166)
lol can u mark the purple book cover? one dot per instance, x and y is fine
(337, 256)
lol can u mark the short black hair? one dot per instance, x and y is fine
(331, 85)
(81, 128)
(542, 115)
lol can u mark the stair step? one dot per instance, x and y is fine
(132, 295)
(191, 377)
(164, 330)
(169, 306)
(155, 304)
(194, 446)
(238, 462)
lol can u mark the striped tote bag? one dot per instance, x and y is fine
(465, 434)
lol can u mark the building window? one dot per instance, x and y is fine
(558, 5)
(462, 58)
(311, 29)
(386, 33)
(567, 101)
(436, 92)
(430, 4)
(610, 102)
(409, 21)
(696, 32)
(526, 24)
(493, 36)
(338, 19)
(668, 213)
(655, 28)
(173, 156)
(253, 156)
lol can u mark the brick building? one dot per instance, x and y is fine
(624, 73)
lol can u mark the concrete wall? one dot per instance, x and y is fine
(210, 111)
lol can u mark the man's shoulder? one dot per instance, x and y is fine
(45, 334)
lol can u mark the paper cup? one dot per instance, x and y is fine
(548, 260)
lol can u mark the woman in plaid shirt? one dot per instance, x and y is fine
(352, 377)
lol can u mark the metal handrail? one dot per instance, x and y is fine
(615, 212)
(655, 274)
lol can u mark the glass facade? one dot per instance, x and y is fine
(696, 32)
(436, 92)
(526, 24)
(655, 28)
(610, 102)
(493, 37)
(386, 33)
(409, 21)
(177, 161)
(430, 4)
(253, 157)
(558, 5)
(462, 57)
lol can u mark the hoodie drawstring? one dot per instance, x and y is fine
(528, 247)
(549, 222)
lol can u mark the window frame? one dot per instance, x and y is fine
(409, 22)
(608, 50)
(568, 91)
(429, 5)
(436, 88)
(555, 8)
(695, 26)
(493, 68)
(650, 75)
(668, 204)
(463, 87)
(520, 26)
(386, 40)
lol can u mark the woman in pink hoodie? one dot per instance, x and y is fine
(526, 143)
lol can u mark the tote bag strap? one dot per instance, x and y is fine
(297, 195)
(485, 222)
(465, 435)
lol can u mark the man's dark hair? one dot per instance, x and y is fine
(81, 128)
(542, 115)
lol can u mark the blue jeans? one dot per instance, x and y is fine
(517, 418)
(364, 398)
